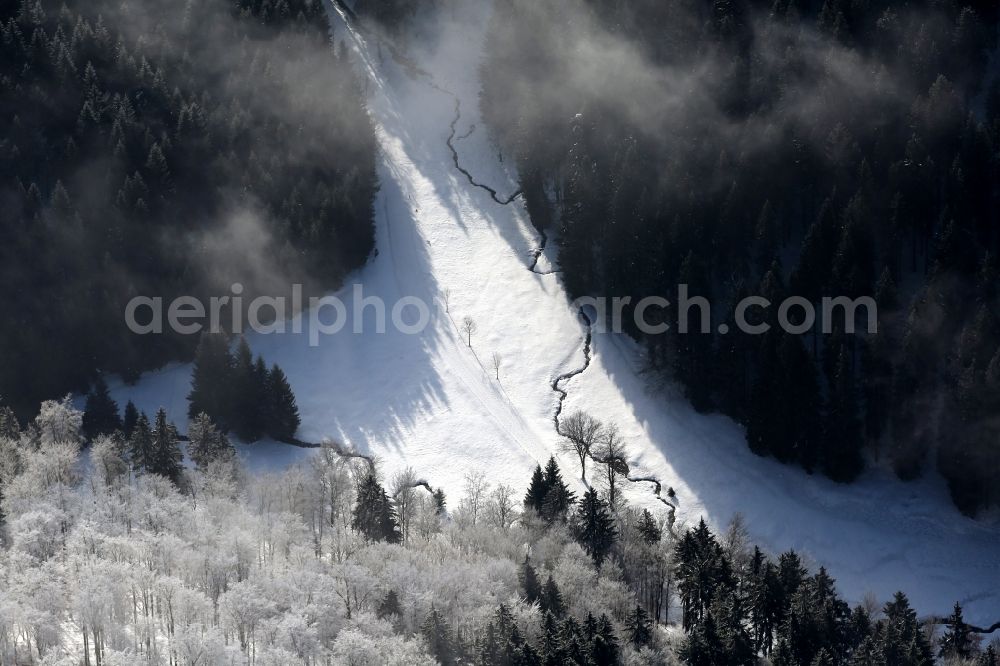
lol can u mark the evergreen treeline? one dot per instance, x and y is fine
(161, 150)
(241, 393)
(322, 564)
(737, 605)
(804, 147)
(152, 448)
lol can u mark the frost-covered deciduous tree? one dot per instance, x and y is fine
(580, 433)
(501, 507)
(108, 458)
(613, 455)
(58, 421)
(403, 499)
(206, 443)
(476, 490)
(469, 327)
(100, 415)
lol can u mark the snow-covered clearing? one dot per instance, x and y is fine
(430, 402)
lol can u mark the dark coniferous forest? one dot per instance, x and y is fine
(166, 149)
(817, 148)
(799, 147)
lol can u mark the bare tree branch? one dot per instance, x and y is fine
(581, 432)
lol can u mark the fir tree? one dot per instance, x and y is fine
(440, 502)
(573, 641)
(389, 606)
(638, 627)
(988, 657)
(957, 641)
(211, 380)
(166, 456)
(537, 489)
(900, 637)
(648, 528)
(529, 582)
(10, 428)
(594, 528)
(800, 433)
(247, 415)
(842, 459)
(282, 413)
(558, 497)
(701, 570)
(374, 515)
(551, 647)
(702, 646)
(551, 600)
(604, 649)
(730, 615)
(438, 636)
(141, 445)
(206, 443)
(100, 415)
(131, 417)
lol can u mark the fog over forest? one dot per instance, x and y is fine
(511, 483)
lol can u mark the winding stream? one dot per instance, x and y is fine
(415, 70)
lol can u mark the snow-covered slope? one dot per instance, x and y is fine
(430, 402)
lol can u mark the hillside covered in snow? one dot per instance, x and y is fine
(451, 230)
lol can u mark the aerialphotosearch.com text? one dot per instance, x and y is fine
(354, 312)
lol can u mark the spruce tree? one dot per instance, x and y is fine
(766, 602)
(766, 418)
(389, 606)
(901, 638)
(957, 641)
(212, 384)
(131, 417)
(167, 459)
(373, 514)
(701, 570)
(604, 649)
(551, 600)
(558, 497)
(247, 394)
(842, 459)
(529, 582)
(440, 502)
(800, 432)
(730, 616)
(140, 445)
(702, 647)
(791, 573)
(594, 528)
(537, 489)
(638, 627)
(573, 641)
(551, 647)
(437, 635)
(10, 428)
(648, 528)
(100, 415)
(206, 443)
(282, 413)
